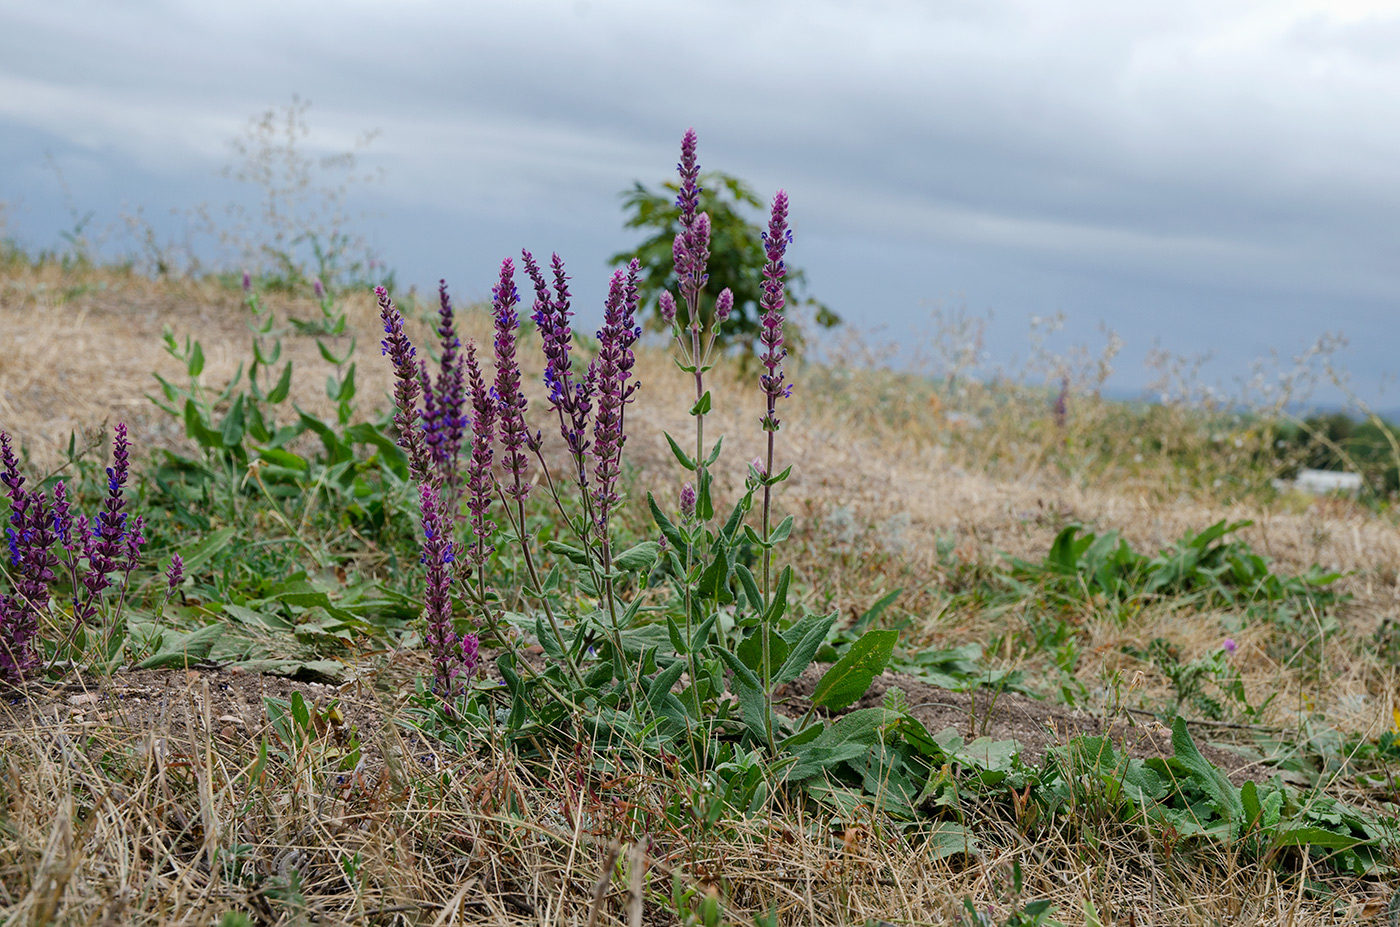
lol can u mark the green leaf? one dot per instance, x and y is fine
(779, 603)
(1316, 837)
(637, 558)
(801, 655)
(750, 650)
(753, 707)
(575, 554)
(182, 650)
(781, 532)
(849, 679)
(194, 362)
(750, 585)
(232, 430)
(714, 454)
(669, 531)
(283, 386)
(197, 556)
(680, 454)
(198, 430)
(848, 737)
(1221, 791)
(873, 613)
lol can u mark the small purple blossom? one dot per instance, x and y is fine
(668, 307)
(318, 289)
(687, 501)
(400, 350)
(724, 304)
(1230, 645)
(175, 574)
(247, 283)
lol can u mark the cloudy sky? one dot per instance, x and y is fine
(1222, 176)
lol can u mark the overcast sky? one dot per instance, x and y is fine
(1222, 176)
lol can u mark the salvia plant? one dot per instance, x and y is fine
(694, 678)
(91, 561)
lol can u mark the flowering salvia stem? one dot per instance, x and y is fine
(775, 242)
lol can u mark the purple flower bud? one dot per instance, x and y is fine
(1230, 645)
(247, 282)
(318, 289)
(724, 304)
(687, 501)
(514, 432)
(757, 464)
(176, 573)
(668, 307)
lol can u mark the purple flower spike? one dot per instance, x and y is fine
(690, 250)
(247, 283)
(613, 369)
(318, 289)
(514, 432)
(406, 388)
(443, 422)
(175, 574)
(31, 535)
(437, 557)
(570, 400)
(687, 501)
(668, 307)
(775, 242)
(724, 304)
(479, 479)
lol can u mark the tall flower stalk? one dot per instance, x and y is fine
(775, 241)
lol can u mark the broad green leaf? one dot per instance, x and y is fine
(232, 430)
(802, 653)
(1222, 792)
(575, 554)
(753, 707)
(702, 405)
(849, 679)
(637, 558)
(182, 650)
(848, 737)
(195, 362)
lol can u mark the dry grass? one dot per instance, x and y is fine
(104, 825)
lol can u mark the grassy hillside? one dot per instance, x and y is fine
(1064, 659)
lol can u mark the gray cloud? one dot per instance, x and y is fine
(1161, 166)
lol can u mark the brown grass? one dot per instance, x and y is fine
(105, 825)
